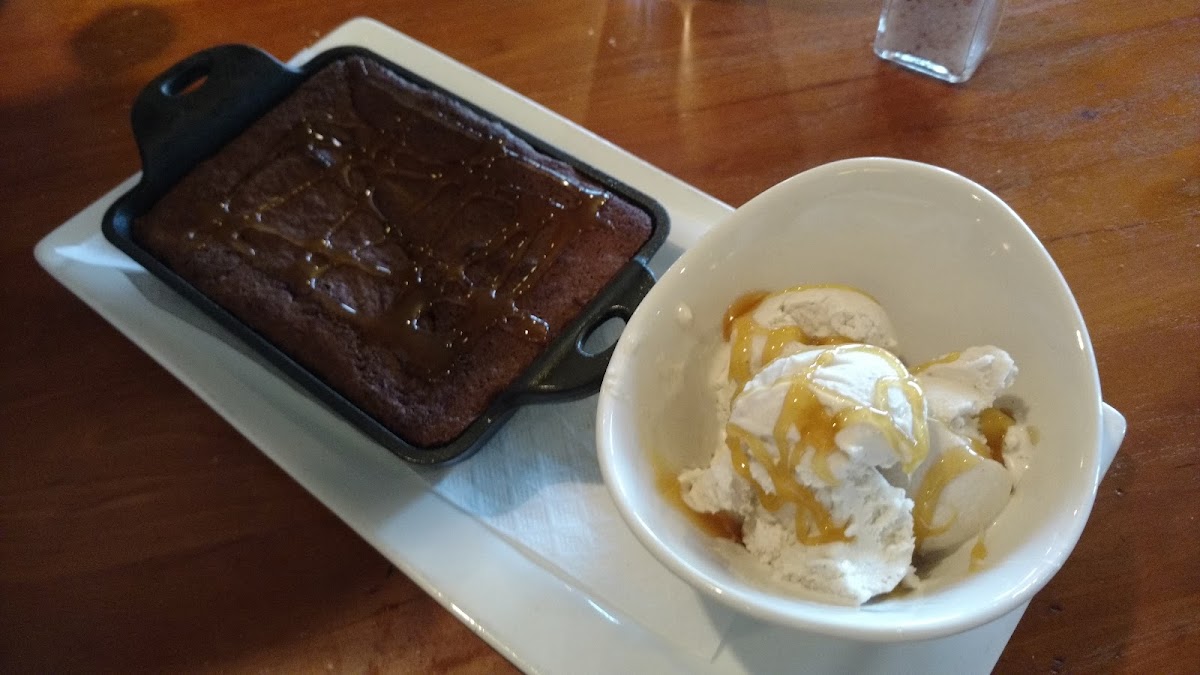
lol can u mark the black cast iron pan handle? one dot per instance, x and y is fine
(567, 370)
(200, 104)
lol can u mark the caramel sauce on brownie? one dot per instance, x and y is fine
(445, 296)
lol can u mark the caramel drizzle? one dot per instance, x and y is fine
(994, 424)
(941, 360)
(375, 167)
(816, 430)
(979, 554)
(953, 463)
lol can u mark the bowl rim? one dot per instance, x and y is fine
(827, 618)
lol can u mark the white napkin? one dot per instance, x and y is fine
(537, 483)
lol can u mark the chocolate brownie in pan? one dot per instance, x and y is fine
(414, 255)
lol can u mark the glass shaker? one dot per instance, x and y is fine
(945, 39)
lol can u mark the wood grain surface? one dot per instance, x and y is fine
(139, 532)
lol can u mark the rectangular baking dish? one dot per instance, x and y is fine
(194, 108)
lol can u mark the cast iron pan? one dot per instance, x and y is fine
(189, 112)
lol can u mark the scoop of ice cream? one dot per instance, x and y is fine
(874, 555)
(962, 486)
(825, 311)
(956, 491)
(961, 390)
(806, 437)
(863, 404)
(779, 324)
(960, 385)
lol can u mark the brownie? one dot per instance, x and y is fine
(414, 255)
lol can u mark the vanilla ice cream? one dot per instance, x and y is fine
(762, 327)
(968, 477)
(956, 493)
(841, 464)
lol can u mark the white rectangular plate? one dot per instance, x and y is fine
(521, 542)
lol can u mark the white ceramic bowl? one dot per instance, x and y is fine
(953, 266)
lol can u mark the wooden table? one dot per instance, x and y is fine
(139, 532)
